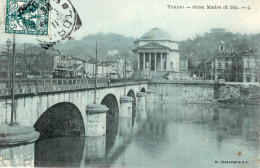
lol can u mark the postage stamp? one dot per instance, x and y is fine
(27, 17)
(64, 21)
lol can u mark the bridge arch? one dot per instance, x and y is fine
(143, 89)
(61, 119)
(111, 102)
(131, 93)
(112, 120)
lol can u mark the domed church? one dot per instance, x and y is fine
(156, 51)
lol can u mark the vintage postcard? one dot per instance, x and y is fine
(139, 83)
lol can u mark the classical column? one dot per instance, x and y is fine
(139, 61)
(161, 62)
(144, 62)
(150, 65)
(155, 62)
(166, 61)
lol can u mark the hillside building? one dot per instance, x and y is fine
(217, 30)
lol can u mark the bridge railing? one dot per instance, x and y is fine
(38, 85)
(190, 81)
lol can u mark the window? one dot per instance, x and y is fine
(226, 65)
(248, 79)
(248, 64)
(256, 62)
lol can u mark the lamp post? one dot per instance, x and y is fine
(13, 81)
(8, 43)
(25, 65)
(140, 78)
(205, 68)
(96, 68)
(125, 76)
(150, 66)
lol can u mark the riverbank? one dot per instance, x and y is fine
(229, 93)
(238, 94)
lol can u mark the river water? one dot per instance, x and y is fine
(164, 135)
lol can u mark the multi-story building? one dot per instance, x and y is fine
(117, 65)
(236, 67)
(217, 30)
(227, 65)
(251, 69)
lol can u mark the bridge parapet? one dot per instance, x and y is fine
(35, 86)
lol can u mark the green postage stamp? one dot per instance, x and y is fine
(27, 17)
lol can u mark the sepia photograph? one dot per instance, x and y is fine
(130, 83)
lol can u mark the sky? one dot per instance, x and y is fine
(132, 18)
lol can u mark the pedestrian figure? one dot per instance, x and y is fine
(108, 81)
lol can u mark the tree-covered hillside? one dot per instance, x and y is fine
(105, 42)
(206, 46)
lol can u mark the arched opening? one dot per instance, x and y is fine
(143, 89)
(59, 144)
(111, 102)
(131, 93)
(62, 119)
(112, 120)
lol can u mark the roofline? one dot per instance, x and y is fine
(155, 40)
(135, 50)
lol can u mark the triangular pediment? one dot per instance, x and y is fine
(153, 45)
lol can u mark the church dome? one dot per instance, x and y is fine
(156, 34)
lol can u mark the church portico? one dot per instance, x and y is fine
(155, 51)
(152, 61)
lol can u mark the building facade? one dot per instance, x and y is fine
(227, 65)
(217, 30)
(184, 68)
(250, 62)
(156, 51)
(236, 67)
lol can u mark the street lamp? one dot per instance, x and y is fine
(125, 76)
(8, 43)
(13, 82)
(96, 69)
(140, 78)
(150, 66)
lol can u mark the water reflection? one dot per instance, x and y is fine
(59, 152)
(164, 135)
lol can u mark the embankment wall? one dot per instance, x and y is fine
(192, 93)
(205, 93)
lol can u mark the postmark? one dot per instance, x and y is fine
(64, 21)
(27, 17)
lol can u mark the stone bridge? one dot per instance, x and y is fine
(62, 108)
